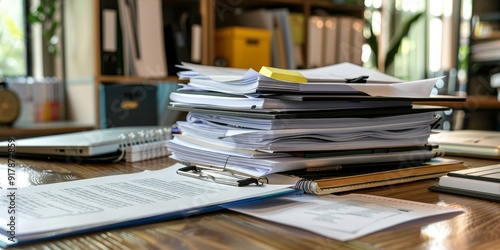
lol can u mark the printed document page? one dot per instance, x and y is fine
(52, 209)
(343, 217)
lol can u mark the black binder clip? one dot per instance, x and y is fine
(436, 124)
(361, 79)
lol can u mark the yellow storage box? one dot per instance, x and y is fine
(243, 47)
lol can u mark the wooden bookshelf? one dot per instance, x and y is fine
(135, 79)
(209, 15)
(472, 103)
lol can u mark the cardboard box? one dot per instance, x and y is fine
(243, 47)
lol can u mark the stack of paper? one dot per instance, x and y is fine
(256, 124)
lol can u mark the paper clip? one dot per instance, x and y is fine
(221, 176)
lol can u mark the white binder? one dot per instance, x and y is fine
(315, 42)
(331, 41)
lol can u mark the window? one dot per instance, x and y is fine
(429, 49)
(14, 46)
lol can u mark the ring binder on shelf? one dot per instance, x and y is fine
(218, 175)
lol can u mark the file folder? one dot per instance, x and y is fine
(111, 54)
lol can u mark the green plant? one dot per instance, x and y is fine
(394, 43)
(46, 15)
(12, 47)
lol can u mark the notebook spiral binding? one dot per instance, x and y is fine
(144, 144)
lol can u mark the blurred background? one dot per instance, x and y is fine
(86, 64)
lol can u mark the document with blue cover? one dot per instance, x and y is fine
(82, 206)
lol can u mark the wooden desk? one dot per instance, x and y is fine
(477, 228)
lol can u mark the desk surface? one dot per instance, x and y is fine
(477, 228)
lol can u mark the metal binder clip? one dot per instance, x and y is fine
(360, 79)
(221, 176)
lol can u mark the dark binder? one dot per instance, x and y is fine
(128, 105)
(175, 46)
(110, 42)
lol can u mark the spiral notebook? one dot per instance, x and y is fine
(112, 144)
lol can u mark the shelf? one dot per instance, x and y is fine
(23, 130)
(135, 79)
(471, 104)
(344, 9)
(481, 102)
(269, 3)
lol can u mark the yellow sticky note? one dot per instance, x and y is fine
(283, 74)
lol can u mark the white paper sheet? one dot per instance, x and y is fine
(342, 217)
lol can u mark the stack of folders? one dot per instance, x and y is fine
(248, 125)
(481, 182)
